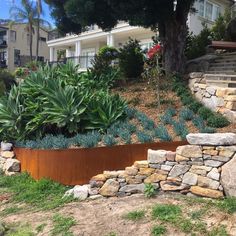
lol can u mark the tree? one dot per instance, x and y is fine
(27, 14)
(169, 16)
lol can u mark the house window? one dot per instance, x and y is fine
(16, 57)
(13, 36)
(42, 39)
(208, 10)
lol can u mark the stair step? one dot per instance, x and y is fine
(223, 77)
(222, 69)
(221, 72)
(221, 83)
(221, 64)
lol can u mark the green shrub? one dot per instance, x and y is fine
(186, 114)
(217, 121)
(135, 215)
(149, 190)
(131, 59)
(171, 111)
(162, 133)
(7, 80)
(109, 140)
(108, 53)
(125, 135)
(166, 118)
(89, 140)
(144, 137)
(205, 113)
(180, 129)
(159, 230)
(195, 106)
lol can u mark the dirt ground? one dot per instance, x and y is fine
(105, 217)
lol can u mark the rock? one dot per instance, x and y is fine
(110, 188)
(81, 192)
(170, 163)
(7, 154)
(6, 146)
(133, 188)
(156, 156)
(211, 90)
(2, 163)
(154, 178)
(190, 178)
(69, 193)
(133, 180)
(110, 174)
(220, 158)
(213, 163)
(214, 174)
(161, 172)
(207, 182)
(100, 177)
(95, 197)
(155, 166)
(131, 170)
(172, 186)
(170, 156)
(226, 153)
(141, 164)
(179, 158)
(166, 167)
(146, 171)
(216, 139)
(93, 191)
(210, 152)
(96, 184)
(195, 75)
(12, 165)
(228, 177)
(200, 170)
(189, 151)
(178, 170)
(205, 192)
(121, 180)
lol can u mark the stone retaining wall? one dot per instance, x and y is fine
(205, 167)
(219, 99)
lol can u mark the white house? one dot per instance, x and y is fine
(81, 48)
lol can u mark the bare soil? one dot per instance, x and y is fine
(102, 217)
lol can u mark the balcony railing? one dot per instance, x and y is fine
(84, 62)
(3, 43)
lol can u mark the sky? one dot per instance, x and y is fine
(5, 5)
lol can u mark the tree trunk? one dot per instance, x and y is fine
(37, 43)
(31, 41)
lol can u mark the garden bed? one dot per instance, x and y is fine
(77, 166)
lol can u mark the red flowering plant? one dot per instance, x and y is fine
(154, 51)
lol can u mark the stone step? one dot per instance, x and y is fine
(220, 77)
(221, 72)
(225, 60)
(221, 83)
(221, 64)
(222, 68)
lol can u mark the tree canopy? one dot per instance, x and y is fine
(169, 16)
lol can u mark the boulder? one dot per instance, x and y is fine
(133, 188)
(207, 182)
(154, 178)
(156, 156)
(131, 170)
(216, 139)
(110, 188)
(214, 174)
(6, 146)
(110, 174)
(190, 178)
(12, 165)
(178, 170)
(205, 192)
(200, 170)
(172, 186)
(189, 151)
(7, 154)
(228, 177)
(213, 163)
(146, 171)
(100, 177)
(81, 192)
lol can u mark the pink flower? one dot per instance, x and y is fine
(156, 49)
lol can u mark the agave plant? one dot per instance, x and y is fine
(104, 110)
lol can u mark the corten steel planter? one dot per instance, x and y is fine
(77, 166)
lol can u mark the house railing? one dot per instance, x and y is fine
(84, 62)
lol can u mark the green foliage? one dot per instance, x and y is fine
(218, 231)
(7, 80)
(166, 118)
(180, 129)
(88, 140)
(43, 194)
(195, 106)
(186, 114)
(205, 113)
(149, 190)
(125, 135)
(159, 230)
(108, 53)
(171, 111)
(131, 59)
(209, 130)
(161, 132)
(135, 215)
(196, 44)
(217, 121)
(58, 100)
(109, 140)
(62, 225)
(228, 204)
(166, 212)
(144, 137)
(130, 112)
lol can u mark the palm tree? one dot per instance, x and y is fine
(27, 14)
(39, 12)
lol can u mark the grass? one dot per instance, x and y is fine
(135, 215)
(44, 194)
(41, 227)
(11, 210)
(166, 212)
(159, 230)
(228, 204)
(198, 214)
(62, 225)
(22, 230)
(218, 231)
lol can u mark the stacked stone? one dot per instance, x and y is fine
(205, 168)
(8, 164)
(218, 99)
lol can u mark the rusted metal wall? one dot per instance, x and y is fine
(77, 166)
